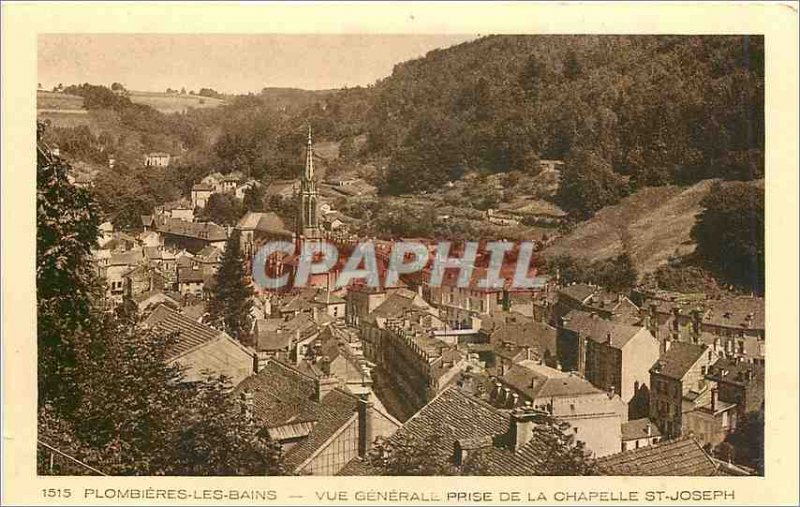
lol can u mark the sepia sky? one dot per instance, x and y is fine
(228, 63)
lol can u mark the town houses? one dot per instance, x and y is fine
(326, 369)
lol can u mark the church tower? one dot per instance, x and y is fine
(307, 219)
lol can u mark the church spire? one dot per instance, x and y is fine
(308, 221)
(309, 172)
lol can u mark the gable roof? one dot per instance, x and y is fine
(682, 457)
(457, 416)
(579, 291)
(262, 222)
(282, 395)
(191, 334)
(277, 334)
(537, 381)
(270, 337)
(637, 428)
(335, 410)
(208, 231)
(598, 329)
(678, 360)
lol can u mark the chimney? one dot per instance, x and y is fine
(611, 391)
(714, 394)
(609, 338)
(365, 438)
(521, 426)
(247, 405)
(495, 394)
(649, 430)
(325, 365)
(463, 447)
(667, 343)
(325, 385)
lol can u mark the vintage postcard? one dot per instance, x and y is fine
(393, 254)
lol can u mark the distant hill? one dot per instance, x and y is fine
(173, 102)
(653, 110)
(652, 225)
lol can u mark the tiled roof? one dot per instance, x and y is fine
(678, 360)
(683, 457)
(209, 254)
(397, 303)
(190, 275)
(538, 381)
(455, 415)
(735, 312)
(598, 328)
(207, 231)
(129, 258)
(283, 395)
(579, 291)
(191, 334)
(262, 222)
(333, 412)
(268, 337)
(637, 428)
(280, 394)
(735, 372)
(521, 331)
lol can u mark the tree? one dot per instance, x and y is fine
(222, 209)
(589, 184)
(254, 198)
(138, 417)
(408, 454)
(108, 395)
(730, 233)
(66, 231)
(209, 92)
(117, 87)
(565, 455)
(230, 305)
(616, 274)
(748, 440)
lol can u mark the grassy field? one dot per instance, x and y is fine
(651, 225)
(50, 101)
(173, 103)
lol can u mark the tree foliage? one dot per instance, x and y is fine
(616, 274)
(230, 305)
(222, 209)
(254, 198)
(730, 233)
(748, 441)
(108, 394)
(66, 231)
(654, 109)
(408, 454)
